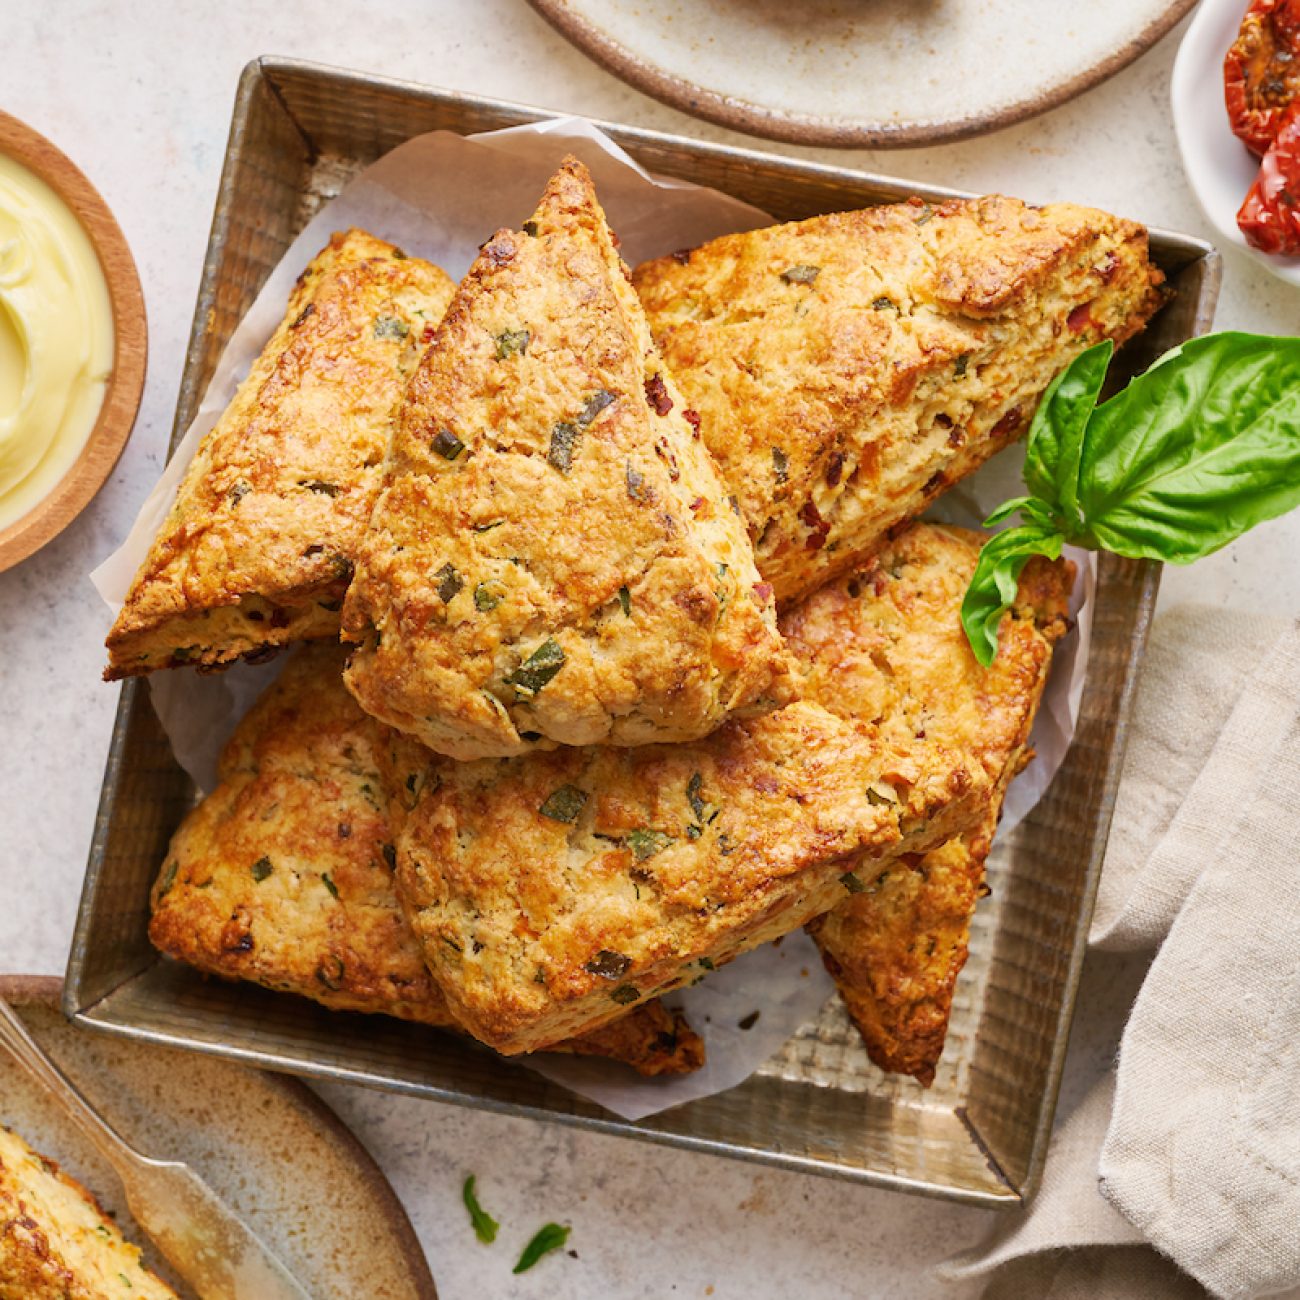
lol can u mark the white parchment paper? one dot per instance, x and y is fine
(440, 196)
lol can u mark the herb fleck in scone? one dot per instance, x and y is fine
(258, 548)
(284, 874)
(848, 368)
(885, 645)
(553, 891)
(554, 557)
(56, 1242)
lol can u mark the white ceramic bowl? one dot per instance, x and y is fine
(1220, 168)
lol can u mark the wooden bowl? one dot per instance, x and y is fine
(86, 476)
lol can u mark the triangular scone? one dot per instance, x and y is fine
(884, 645)
(257, 550)
(56, 1241)
(895, 952)
(848, 368)
(284, 874)
(553, 891)
(554, 557)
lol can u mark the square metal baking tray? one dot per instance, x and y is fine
(980, 1133)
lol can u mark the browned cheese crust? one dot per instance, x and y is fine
(884, 644)
(56, 1241)
(552, 891)
(554, 557)
(283, 875)
(848, 368)
(258, 547)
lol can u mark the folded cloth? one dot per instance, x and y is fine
(1191, 1142)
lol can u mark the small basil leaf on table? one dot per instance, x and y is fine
(549, 1237)
(485, 1226)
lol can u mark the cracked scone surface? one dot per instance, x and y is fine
(56, 1241)
(552, 891)
(554, 557)
(283, 876)
(848, 368)
(884, 644)
(258, 547)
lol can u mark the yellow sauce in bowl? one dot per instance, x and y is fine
(56, 339)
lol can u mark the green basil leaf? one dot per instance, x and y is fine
(510, 342)
(1033, 510)
(564, 444)
(485, 1226)
(391, 327)
(537, 669)
(645, 843)
(609, 965)
(1196, 451)
(168, 878)
(564, 804)
(446, 444)
(801, 274)
(1056, 434)
(449, 583)
(549, 1237)
(694, 795)
(594, 405)
(993, 587)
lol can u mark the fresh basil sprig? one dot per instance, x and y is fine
(1186, 458)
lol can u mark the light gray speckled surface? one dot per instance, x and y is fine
(140, 96)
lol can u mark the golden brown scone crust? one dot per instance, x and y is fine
(552, 891)
(56, 1241)
(283, 875)
(554, 555)
(884, 644)
(258, 547)
(652, 1038)
(896, 952)
(848, 368)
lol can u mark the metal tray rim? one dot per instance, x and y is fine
(612, 1126)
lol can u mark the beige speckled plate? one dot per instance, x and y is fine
(863, 72)
(266, 1143)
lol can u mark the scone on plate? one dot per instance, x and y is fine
(552, 892)
(848, 368)
(258, 547)
(56, 1242)
(884, 645)
(554, 557)
(284, 874)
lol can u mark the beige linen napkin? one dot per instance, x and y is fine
(1192, 1141)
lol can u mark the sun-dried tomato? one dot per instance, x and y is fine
(1270, 216)
(656, 393)
(1261, 73)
